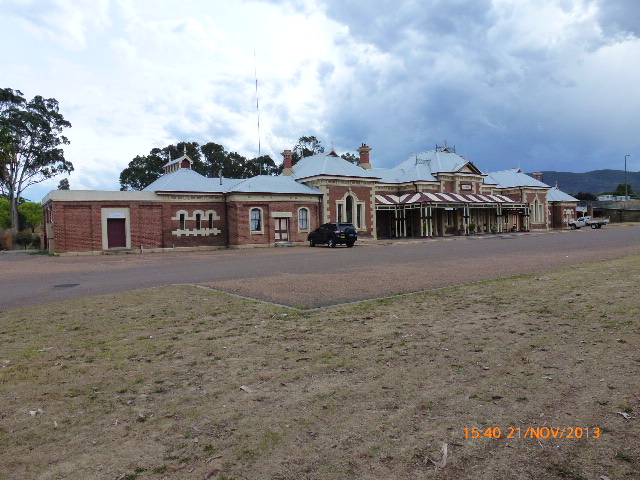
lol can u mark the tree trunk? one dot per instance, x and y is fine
(14, 216)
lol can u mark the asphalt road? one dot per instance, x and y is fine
(365, 271)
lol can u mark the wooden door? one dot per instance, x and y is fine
(282, 229)
(116, 233)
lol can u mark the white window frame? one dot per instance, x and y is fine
(261, 220)
(359, 211)
(307, 219)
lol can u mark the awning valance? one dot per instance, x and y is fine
(424, 197)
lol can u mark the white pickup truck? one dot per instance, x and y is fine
(594, 222)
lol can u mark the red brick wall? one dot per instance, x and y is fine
(170, 210)
(146, 226)
(77, 226)
(556, 212)
(73, 228)
(338, 192)
(240, 225)
(529, 197)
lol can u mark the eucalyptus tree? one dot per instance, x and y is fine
(33, 139)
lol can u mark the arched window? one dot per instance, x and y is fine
(349, 208)
(541, 212)
(256, 220)
(536, 211)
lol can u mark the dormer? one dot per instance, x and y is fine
(183, 162)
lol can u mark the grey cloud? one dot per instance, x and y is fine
(620, 16)
(325, 70)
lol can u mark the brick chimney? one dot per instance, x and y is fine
(288, 162)
(364, 156)
(537, 176)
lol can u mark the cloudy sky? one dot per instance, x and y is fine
(541, 84)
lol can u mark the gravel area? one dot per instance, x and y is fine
(311, 277)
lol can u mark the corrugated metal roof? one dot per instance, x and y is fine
(514, 177)
(417, 172)
(271, 184)
(422, 167)
(555, 195)
(187, 180)
(423, 197)
(326, 164)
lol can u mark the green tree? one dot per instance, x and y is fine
(143, 170)
(306, 147)
(210, 160)
(34, 129)
(585, 196)
(214, 158)
(350, 157)
(263, 165)
(5, 213)
(64, 184)
(620, 190)
(220, 162)
(32, 214)
(6, 152)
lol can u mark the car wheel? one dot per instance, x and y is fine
(573, 227)
(349, 244)
(594, 225)
(331, 243)
(312, 242)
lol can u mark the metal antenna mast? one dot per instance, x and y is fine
(255, 72)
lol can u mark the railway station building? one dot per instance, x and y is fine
(431, 194)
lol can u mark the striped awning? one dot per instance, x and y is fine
(424, 197)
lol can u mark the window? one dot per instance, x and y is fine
(359, 216)
(303, 219)
(540, 213)
(256, 220)
(536, 212)
(339, 212)
(349, 208)
(211, 220)
(182, 222)
(198, 221)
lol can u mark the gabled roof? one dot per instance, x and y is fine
(425, 166)
(514, 177)
(271, 184)
(438, 161)
(187, 180)
(415, 173)
(328, 164)
(555, 195)
(178, 160)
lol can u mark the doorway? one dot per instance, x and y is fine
(282, 229)
(116, 233)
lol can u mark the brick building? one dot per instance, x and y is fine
(434, 193)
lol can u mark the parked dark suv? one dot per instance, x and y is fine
(332, 234)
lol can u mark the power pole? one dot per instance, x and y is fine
(626, 185)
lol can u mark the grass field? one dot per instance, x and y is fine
(184, 382)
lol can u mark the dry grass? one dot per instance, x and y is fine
(147, 385)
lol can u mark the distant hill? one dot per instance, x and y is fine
(597, 181)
